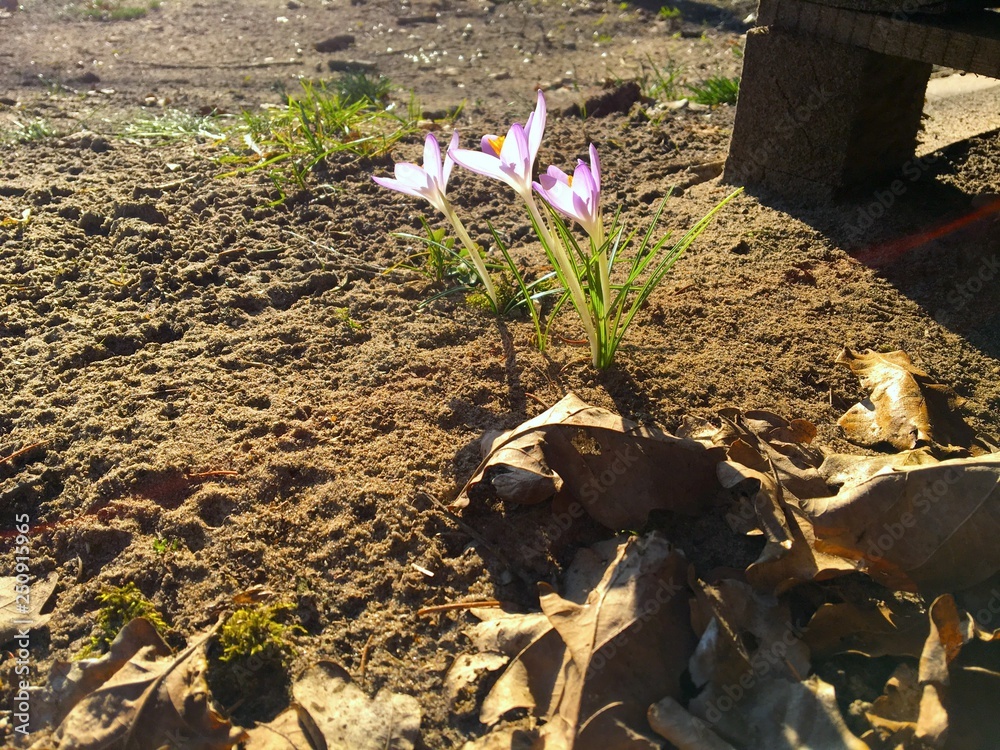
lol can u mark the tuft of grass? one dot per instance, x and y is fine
(116, 10)
(716, 90)
(444, 264)
(162, 546)
(348, 117)
(355, 87)
(670, 13)
(174, 125)
(121, 605)
(663, 84)
(26, 131)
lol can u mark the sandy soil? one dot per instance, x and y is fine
(159, 324)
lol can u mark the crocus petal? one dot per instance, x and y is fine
(487, 144)
(432, 160)
(412, 175)
(595, 166)
(556, 174)
(388, 182)
(514, 160)
(587, 198)
(536, 128)
(558, 194)
(448, 161)
(478, 162)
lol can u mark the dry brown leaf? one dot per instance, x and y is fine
(21, 609)
(598, 463)
(781, 446)
(790, 555)
(71, 681)
(292, 729)
(842, 470)
(894, 713)
(949, 631)
(332, 713)
(736, 615)
(933, 528)
(467, 669)
(508, 738)
(753, 696)
(779, 714)
(618, 639)
(873, 631)
(905, 408)
(761, 492)
(684, 731)
(946, 704)
(154, 700)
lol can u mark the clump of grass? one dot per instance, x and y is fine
(349, 116)
(115, 10)
(174, 125)
(663, 84)
(443, 263)
(357, 87)
(121, 605)
(26, 131)
(716, 90)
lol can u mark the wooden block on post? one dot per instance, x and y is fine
(815, 117)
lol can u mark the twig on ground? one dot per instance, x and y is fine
(457, 605)
(211, 474)
(26, 449)
(364, 658)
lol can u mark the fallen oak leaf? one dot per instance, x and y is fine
(840, 470)
(725, 666)
(14, 615)
(332, 713)
(905, 408)
(71, 681)
(784, 444)
(155, 701)
(684, 731)
(790, 555)
(617, 639)
(596, 462)
(847, 627)
(949, 702)
(613, 673)
(931, 528)
(781, 714)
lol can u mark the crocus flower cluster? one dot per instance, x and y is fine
(586, 278)
(511, 159)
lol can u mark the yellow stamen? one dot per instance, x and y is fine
(569, 180)
(497, 143)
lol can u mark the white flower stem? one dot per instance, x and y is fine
(570, 273)
(474, 254)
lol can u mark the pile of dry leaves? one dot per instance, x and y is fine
(890, 557)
